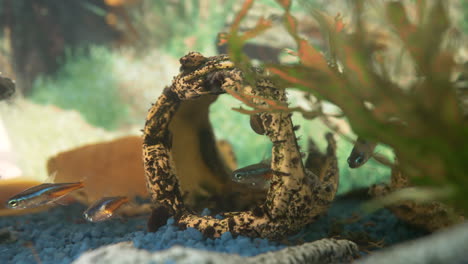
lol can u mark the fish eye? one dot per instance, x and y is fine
(12, 203)
(238, 176)
(359, 159)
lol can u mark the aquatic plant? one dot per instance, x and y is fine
(394, 84)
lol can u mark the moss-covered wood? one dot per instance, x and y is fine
(296, 195)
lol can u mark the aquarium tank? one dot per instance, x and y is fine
(209, 131)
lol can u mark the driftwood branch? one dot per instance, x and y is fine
(296, 195)
(318, 252)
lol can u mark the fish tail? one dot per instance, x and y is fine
(120, 202)
(71, 187)
(268, 175)
(77, 186)
(125, 200)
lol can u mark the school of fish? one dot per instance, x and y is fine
(51, 193)
(256, 176)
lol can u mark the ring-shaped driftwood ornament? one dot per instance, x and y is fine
(297, 195)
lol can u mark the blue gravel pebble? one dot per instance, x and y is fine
(60, 235)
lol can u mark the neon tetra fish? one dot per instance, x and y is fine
(104, 208)
(42, 194)
(257, 175)
(361, 153)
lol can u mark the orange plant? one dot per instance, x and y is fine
(421, 119)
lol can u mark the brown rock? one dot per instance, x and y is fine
(113, 168)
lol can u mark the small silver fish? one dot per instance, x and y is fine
(104, 208)
(361, 153)
(42, 194)
(256, 176)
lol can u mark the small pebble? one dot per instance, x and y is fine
(7, 236)
(58, 239)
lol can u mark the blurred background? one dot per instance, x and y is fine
(88, 70)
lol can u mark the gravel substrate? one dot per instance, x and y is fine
(60, 235)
